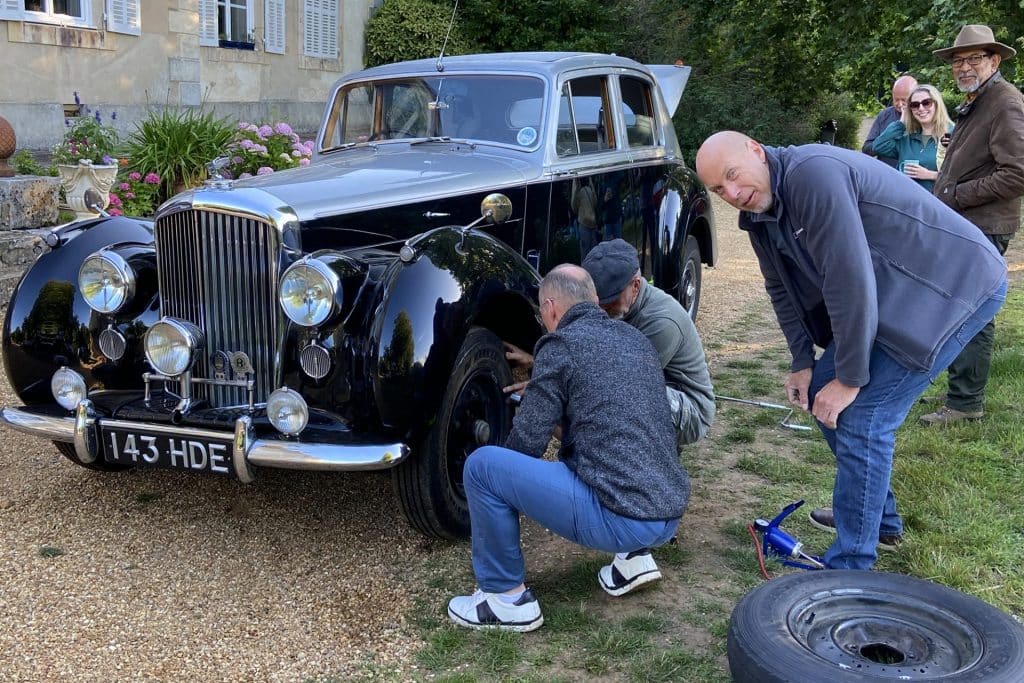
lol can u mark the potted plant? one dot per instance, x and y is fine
(85, 159)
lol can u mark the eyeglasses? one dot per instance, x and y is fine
(973, 60)
(922, 104)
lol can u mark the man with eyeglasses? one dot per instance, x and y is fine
(901, 90)
(982, 178)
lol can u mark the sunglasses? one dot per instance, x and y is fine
(922, 103)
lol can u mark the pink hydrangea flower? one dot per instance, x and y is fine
(152, 179)
(115, 200)
(243, 125)
(129, 195)
(134, 175)
(303, 162)
(113, 210)
(282, 128)
(265, 131)
(245, 175)
(264, 170)
(124, 186)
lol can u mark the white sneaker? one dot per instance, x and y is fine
(623, 575)
(488, 611)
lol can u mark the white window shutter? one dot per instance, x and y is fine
(320, 33)
(12, 10)
(123, 17)
(208, 23)
(274, 27)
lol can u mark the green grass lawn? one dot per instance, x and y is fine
(958, 489)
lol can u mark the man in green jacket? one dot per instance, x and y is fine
(982, 178)
(624, 294)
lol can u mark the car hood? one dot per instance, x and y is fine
(372, 177)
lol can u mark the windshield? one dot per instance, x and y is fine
(501, 109)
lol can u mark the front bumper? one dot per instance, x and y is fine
(82, 429)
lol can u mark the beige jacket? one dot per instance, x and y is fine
(982, 176)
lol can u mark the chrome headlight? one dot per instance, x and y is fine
(171, 346)
(106, 281)
(68, 388)
(310, 292)
(287, 411)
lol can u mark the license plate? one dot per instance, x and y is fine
(198, 452)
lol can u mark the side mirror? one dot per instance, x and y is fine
(496, 208)
(94, 201)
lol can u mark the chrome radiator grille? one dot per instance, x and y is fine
(220, 272)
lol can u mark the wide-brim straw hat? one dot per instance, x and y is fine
(975, 36)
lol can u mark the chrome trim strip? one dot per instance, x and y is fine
(291, 455)
(45, 426)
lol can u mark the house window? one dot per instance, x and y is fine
(320, 28)
(69, 12)
(234, 20)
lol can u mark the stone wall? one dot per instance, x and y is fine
(28, 201)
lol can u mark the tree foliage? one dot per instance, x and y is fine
(412, 29)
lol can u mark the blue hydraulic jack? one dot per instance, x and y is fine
(778, 543)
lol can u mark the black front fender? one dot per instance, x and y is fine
(48, 323)
(452, 284)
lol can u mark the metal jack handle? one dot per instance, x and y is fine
(761, 404)
(775, 541)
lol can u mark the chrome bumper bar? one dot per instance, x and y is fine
(294, 455)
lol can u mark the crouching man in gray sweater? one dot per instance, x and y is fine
(617, 485)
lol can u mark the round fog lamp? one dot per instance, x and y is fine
(106, 281)
(309, 292)
(68, 388)
(287, 411)
(171, 346)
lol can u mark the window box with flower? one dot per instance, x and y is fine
(85, 159)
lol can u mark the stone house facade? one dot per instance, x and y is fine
(255, 60)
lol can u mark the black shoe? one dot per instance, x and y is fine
(824, 519)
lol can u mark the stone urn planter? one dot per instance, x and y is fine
(78, 178)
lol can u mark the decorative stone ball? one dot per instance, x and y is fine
(8, 143)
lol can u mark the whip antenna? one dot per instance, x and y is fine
(451, 23)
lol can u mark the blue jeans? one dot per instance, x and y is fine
(501, 483)
(865, 437)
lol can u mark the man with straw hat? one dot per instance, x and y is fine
(982, 178)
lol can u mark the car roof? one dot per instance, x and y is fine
(542, 63)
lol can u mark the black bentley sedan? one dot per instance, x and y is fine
(349, 315)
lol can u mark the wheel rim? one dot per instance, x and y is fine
(884, 635)
(688, 286)
(480, 400)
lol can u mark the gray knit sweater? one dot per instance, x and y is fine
(600, 379)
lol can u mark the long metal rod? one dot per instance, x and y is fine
(775, 406)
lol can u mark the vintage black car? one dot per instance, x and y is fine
(349, 315)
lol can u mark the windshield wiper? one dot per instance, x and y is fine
(441, 138)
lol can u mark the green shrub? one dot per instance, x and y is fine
(24, 163)
(410, 29)
(176, 144)
(714, 102)
(842, 108)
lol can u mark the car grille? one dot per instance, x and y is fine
(220, 272)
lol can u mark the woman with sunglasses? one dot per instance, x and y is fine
(916, 138)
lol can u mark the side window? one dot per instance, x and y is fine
(583, 121)
(638, 112)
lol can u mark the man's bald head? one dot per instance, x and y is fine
(901, 90)
(568, 284)
(734, 166)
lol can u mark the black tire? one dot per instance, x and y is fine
(846, 626)
(429, 484)
(688, 292)
(100, 465)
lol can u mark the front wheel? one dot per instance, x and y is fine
(99, 465)
(474, 412)
(690, 277)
